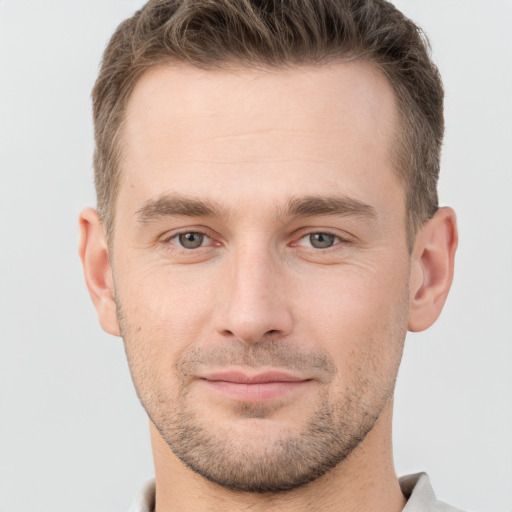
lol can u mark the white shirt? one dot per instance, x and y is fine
(416, 488)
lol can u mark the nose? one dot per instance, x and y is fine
(255, 299)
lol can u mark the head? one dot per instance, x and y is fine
(282, 34)
(268, 226)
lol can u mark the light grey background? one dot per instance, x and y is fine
(72, 434)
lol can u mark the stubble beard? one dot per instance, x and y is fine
(261, 464)
(250, 461)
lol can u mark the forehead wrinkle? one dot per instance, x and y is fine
(179, 205)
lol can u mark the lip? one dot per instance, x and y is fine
(260, 387)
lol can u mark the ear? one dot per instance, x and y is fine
(432, 269)
(93, 250)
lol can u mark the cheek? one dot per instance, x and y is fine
(162, 313)
(160, 297)
(359, 316)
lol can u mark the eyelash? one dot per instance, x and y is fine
(175, 236)
(337, 240)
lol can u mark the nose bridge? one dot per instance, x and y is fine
(256, 301)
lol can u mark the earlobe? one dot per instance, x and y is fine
(93, 251)
(432, 269)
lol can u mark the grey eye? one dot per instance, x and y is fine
(191, 240)
(321, 240)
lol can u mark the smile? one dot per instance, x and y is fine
(256, 388)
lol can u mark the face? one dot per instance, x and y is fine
(260, 266)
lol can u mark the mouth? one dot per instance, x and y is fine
(260, 387)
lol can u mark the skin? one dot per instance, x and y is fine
(259, 163)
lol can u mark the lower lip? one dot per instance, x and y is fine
(255, 392)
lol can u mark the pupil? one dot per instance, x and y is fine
(321, 240)
(191, 240)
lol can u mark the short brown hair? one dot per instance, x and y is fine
(277, 33)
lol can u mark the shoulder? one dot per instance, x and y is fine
(420, 495)
(145, 500)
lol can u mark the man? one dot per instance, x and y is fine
(267, 231)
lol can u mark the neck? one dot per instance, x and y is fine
(365, 481)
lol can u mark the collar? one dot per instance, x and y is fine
(416, 488)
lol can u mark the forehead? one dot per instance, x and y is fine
(193, 130)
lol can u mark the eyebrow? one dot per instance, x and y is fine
(308, 206)
(179, 205)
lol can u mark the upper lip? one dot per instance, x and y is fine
(259, 378)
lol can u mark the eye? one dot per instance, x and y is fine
(190, 240)
(320, 240)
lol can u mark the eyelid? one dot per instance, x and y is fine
(202, 230)
(342, 238)
(337, 240)
(204, 243)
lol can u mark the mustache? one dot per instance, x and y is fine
(269, 353)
